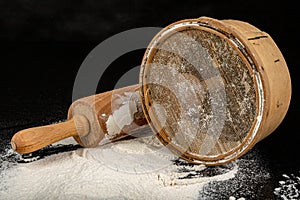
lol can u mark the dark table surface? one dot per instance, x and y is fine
(44, 43)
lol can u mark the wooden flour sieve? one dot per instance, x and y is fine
(210, 90)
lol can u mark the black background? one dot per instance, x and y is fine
(43, 44)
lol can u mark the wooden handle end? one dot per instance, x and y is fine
(32, 139)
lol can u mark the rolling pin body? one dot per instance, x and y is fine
(89, 120)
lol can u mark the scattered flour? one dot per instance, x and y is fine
(289, 187)
(139, 168)
(233, 198)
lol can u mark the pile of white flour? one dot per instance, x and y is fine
(138, 168)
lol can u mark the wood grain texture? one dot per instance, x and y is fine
(32, 139)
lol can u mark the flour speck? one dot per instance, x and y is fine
(289, 188)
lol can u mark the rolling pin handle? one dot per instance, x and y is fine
(32, 139)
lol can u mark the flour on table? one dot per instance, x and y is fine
(233, 198)
(139, 168)
(289, 187)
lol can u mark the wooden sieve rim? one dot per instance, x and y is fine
(240, 42)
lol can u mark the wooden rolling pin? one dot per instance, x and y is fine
(86, 122)
(209, 89)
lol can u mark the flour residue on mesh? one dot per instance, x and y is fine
(214, 88)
